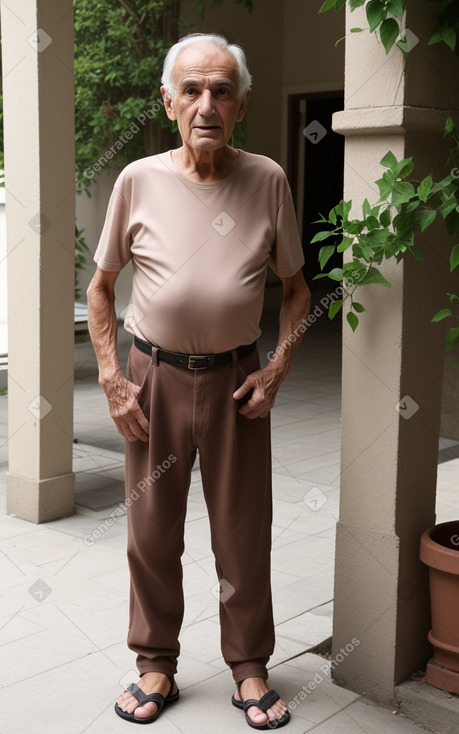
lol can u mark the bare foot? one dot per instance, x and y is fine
(256, 688)
(149, 683)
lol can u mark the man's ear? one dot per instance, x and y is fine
(168, 104)
(243, 106)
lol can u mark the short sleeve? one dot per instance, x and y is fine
(287, 253)
(114, 249)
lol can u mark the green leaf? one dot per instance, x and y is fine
(336, 274)
(355, 226)
(332, 217)
(320, 275)
(333, 308)
(444, 313)
(376, 13)
(389, 160)
(375, 238)
(403, 167)
(372, 223)
(385, 188)
(446, 34)
(414, 251)
(424, 188)
(449, 127)
(322, 220)
(357, 30)
(395, 7)
(427, 218)
(374, 276)
(366, 208)
(352, 320)
(345, 243)
(454, 259)
(453, 297)
(390, 247)
(441, 185)
(412, 206)
(402, 192)
(328, 4)
(384, 217)
(357, 307)
(389, 32)
(452, 338)
(322, 235)
(353, 4)
(346, 207)
(325, 254)
(448, 206)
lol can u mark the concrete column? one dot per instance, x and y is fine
(392, 369)
(37, 44)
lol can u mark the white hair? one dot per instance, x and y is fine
(244, 80)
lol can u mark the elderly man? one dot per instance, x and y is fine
(200, 225)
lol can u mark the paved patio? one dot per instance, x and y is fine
(64, 584)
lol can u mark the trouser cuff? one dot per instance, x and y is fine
(248, 670)
(164, 665)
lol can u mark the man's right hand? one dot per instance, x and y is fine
(125, 409)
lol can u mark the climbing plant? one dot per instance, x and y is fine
(385, 16)
(388, 228)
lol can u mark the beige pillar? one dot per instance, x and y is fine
(37, 44)
(392, 369)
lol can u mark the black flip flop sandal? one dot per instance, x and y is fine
(143, 698)
(264, 704)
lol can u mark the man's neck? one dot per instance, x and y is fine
(207, 166)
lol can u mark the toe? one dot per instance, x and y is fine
(277, 711)
(257, 716)
(124, 700)
(143, 712)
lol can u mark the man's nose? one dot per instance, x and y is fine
(206, 107)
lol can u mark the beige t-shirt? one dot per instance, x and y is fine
(199, 252)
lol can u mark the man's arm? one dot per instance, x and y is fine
(121, 394)
(266, 382)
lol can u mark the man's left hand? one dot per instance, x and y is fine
(264, 385)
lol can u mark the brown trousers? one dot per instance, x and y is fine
(189, 410)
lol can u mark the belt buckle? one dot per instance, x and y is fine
(192, 359)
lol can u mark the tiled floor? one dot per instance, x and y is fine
(64, 584)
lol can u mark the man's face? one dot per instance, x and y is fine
(207, 102)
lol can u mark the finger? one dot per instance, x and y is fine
(243, 389)
(130, 428)
(143, 422)
(137, 429)
(255, 410)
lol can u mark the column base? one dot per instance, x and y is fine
(42, 500)
(441, 677)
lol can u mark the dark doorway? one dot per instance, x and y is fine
(315, 168)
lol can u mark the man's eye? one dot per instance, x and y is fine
(190, 92)
(222, 92)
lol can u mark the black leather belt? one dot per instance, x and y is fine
(194, 361)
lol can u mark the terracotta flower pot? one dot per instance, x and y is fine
(440, 551)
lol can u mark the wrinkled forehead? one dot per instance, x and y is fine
(205, 61)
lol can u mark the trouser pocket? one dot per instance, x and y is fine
(139, 372)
